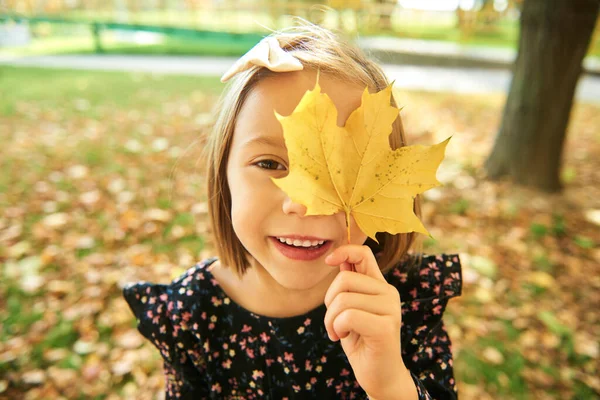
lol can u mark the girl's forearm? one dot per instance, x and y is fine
(403, 389)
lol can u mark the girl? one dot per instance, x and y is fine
(289, 309)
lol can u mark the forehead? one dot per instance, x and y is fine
(282, 92)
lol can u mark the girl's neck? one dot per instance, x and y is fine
(256, 291)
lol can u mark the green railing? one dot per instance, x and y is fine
(96, 28)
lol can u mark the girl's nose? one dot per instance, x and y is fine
(290, 207)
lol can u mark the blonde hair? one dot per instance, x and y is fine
(318, 49)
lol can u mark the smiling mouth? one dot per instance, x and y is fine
(301, 253)
(301, 244)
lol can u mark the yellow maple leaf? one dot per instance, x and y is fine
(352, 168)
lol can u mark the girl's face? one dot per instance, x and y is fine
(261, 212)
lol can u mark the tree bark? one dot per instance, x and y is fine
(555, 35)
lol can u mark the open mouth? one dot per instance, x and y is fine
(304, 251)
(304, 245)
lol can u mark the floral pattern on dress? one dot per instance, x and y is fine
(214, 348)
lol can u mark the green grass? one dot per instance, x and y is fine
(557, 228)
(460, 207)
(226, 20)
(473, 369)
(61, 335)
(537, 230)
(50, 88)
(584, 242)
(16, 319)
(505, 33)
(110, 45)
(543, 263)
(183, 219)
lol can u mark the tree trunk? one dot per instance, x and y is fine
(555, 35)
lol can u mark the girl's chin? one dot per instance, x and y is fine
(301, 280)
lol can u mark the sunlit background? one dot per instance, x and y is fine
(113, 26)
(104, 107)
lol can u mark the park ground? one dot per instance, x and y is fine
(102, 184)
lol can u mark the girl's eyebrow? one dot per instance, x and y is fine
(265, 140)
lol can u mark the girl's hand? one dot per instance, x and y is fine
(363, 310)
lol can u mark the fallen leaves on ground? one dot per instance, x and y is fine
(94, 197)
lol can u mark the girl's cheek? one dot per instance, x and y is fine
(357, 236)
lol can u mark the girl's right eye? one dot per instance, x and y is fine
(268, 164)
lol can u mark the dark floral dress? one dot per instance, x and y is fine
(213, 348)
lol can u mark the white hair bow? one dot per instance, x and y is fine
(267, 53)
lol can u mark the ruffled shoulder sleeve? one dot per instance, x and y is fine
(164, 320)
(435, 277)
(425, 289)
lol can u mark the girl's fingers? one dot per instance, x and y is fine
(360, 256)
(345, 266)
(373, 304)
(347, 281)
(364, 324)
(361, 297)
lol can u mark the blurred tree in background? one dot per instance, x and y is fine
(555, 35)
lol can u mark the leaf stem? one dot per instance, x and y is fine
(348, 230)
(348, 225)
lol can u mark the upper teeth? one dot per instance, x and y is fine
(302, 243)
